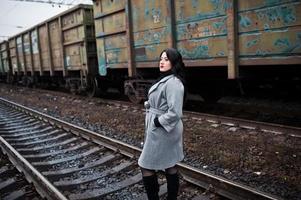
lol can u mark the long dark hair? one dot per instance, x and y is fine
(177, 66)
(177, 63)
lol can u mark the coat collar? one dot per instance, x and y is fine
(155, 86)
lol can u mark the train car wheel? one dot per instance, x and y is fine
(93, 90)
(134, 99)
(133, 95)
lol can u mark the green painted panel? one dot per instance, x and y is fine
(203, 48)
(244, 5)
(270, 18)
(202, 29)
(115, 41)
(116, 56)
(152, 36)
(149, 14)
(278, 43)
(194, 10)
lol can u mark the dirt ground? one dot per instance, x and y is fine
(267, 161)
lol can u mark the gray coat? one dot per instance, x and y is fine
(163, 146)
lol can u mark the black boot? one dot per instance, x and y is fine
(151, 186)
(172, 186)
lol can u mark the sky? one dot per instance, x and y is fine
(17, 16)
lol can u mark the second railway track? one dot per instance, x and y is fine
(68, 162)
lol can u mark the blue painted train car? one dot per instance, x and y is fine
(225, 43)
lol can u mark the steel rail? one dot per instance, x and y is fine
(264, 126)
(243, 123)
(221, 186)
(42, 185)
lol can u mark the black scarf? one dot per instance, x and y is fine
(164, 74)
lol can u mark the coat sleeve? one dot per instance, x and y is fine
(174, 97)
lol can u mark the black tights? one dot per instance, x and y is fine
(149, 172)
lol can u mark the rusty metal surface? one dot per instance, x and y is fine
(50, 46)
(264, 29)
(55, 41)
(35, 50)
(268, 29)
(150, 28)
(4, 57)
(110, 32)
(43, 43)
(20, 53)
(27, 54)
(13, 53)
(201, 28)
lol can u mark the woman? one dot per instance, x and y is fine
(163, 146)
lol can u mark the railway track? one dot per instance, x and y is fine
(218, 120)
(68, 162)
(13, 184)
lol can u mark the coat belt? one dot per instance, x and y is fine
(155, 111)
(152, 109)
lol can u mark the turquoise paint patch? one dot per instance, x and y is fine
(146, 11)
(113, 55)
(218, 3)
(195, 3)
(266, 27)
(251, 43)
(272, 2)
(102, 70)
(140, 58)
(259, 53)
(219, 9)
(218, 25)
(286, 46)
(282, 43)
(151, 48)
(152, 37)
(244, 21)
(215, 3)
(221, 53)
(286, 14)
(198, 52)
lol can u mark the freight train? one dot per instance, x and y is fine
(227, 46)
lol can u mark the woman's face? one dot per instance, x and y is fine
(164, 64)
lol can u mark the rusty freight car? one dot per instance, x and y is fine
(5, 66)
(222, 41)
(60, 50)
